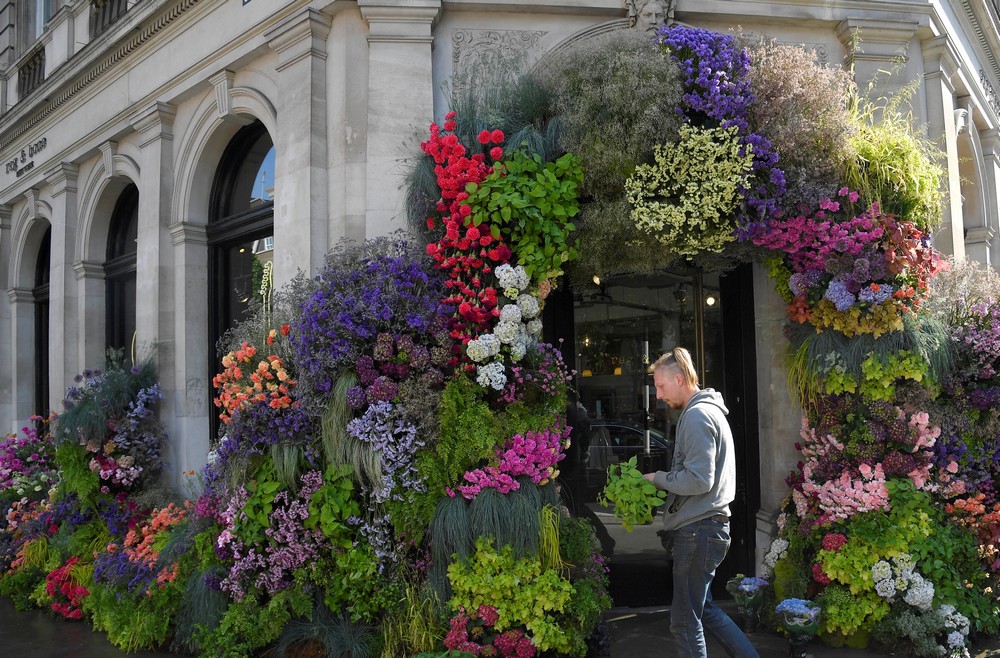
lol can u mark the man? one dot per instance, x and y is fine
(700, 486)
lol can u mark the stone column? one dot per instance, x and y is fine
(91, 293)
(940, 64)
(22, 362)
(186, 407)
(154, 322)
(779, 416)
(63, 316)
(301, 177)
(6, 379)
(989, 235)
(400, 99)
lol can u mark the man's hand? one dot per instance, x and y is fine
(648, 476)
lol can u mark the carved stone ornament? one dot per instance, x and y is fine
(472, 49)
(648, 15)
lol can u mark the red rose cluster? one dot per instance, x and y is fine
(467, 253)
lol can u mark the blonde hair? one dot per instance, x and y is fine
(678, 360)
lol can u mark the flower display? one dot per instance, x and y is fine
(857, 274)
(27, 468)
(534, 456)
(67, 594)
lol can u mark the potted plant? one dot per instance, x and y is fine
(800, 618)
(748, 594)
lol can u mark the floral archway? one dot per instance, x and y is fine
(387, 479)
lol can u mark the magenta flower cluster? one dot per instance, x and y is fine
(475, 634)
(543, 371)
(533, 455)
(26, 467)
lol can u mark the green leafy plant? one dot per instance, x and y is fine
(531, 203)
(524, 594)
(633, 496)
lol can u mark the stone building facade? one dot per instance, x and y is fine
(145, 143)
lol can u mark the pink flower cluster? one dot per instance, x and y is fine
(926, 434)
(808, 239)
(846, 496)
(534, 455)
(475, 635)
(834, 541)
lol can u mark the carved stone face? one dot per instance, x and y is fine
(651, 15)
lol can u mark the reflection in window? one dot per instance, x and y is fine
(40, 294)
(240, 231)
(119, 271)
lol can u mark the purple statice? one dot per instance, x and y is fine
(838, 293)
(67, 513)
(394, 438)
(717, 90)
(362, 291)
(984, 399)
(119, 514)
(114, 569)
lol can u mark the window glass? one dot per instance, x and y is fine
(120, 271)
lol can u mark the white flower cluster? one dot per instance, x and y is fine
(774, 553)
(957, 626)
(512, 279)
(899, 577)
(483, 348)
(492, 375)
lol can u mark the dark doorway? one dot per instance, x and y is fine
(617, 328)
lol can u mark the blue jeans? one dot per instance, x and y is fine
(699, 548)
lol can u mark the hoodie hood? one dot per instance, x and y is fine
(708, 396)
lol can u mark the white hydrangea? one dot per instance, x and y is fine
(506, 331)
(529, 306)
(886, 588)
(881, 570)
(904, 562)
(920, 595)
(535, 328)
(492, 375)
(517, 350)
(510, 313)
(511, 277)
(773, 554)
(955, 640)
(482, 348)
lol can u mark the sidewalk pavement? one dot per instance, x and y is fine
(635, 633)
(645, 633)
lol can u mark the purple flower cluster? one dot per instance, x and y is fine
(543, 371)
(978, 342)
(717, 91)
(289, 545)
(118, 572)
(352, 301)
(984, 398)
(27, 468)
(396, 442)
(396, 358)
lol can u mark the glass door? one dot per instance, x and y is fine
(621, 326)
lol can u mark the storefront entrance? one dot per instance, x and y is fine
(618, 327)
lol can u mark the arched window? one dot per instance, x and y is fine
(119, 271)
(40, 293)
(240, 229)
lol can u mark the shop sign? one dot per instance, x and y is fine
(20, 165)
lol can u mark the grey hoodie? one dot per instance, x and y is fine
(702, 479)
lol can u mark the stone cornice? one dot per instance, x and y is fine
(83, 71)
(299, 36)
(987, 37)
(979, 235)
(6, 212)
(85, 269)
(940, 59)
(20, 295)
(396, 22)
(188, 233)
